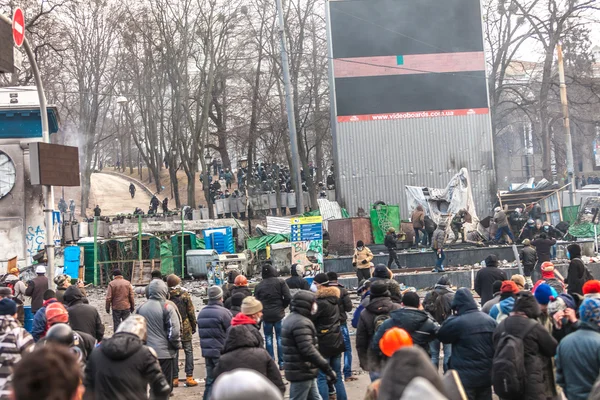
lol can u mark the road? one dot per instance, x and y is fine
(111, 193)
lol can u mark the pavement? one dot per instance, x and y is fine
(111, 193)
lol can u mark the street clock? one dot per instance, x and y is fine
(8, 174)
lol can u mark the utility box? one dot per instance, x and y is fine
(199, 261)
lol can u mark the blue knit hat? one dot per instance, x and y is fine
(544, 293)
(8, 307)
(589, 311)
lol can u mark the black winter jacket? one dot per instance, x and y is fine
(484, 281)
(390, 241)
(301, 356)
(542, 247)
(470, 333)
(213, 322)
(36, 289)
(244, 349)
(369, 358)
(327, 321)
(274, 294)
(577, 272)
(237, 289)
(295, 281)
(419, 324)
(83, 317)
(121, 368)
(528, 256)
(345, 303)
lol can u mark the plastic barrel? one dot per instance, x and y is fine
(28, 318)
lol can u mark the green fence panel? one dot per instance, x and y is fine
(382, 218)
(570, 214)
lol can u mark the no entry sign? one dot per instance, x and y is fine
(18, 27)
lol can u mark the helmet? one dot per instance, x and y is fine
(393, 340)
(240, 280)
(497, 209)
(61, 334)
(530, 222)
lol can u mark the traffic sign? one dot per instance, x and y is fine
(306, 228)
(18, 27)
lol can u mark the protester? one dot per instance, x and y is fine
(383, 273)
(83, 317)
(39, 319)
(537, 343)
(274, 295)
(485, 278)
(48, 373)
(375, 312)
(36, 288)
(504, 307)
(564, 316)
(390, 242)
(299, 342)
(244, 346)
(181, 298)
(419, 324)
(155, 275)
(577, 274)
(519, 280)
(430, 227)
(549, 277)
(122, 367)
(345, 305)
(361, 261)
(542, 246)
(438, 242)
(230, 284)
(503, 227)
(297, 282)
(591, 289)
(12, 280)
(163, 327)
(245, 383)
(240, 286)
(62, 282)
(58, 319)
(487, 306)
(470, 332)
(418, 221)
(119, 297)
(213, 322)
(544, 294)
(236, 303)
(438, 303)
(528, 257)
(578, 354)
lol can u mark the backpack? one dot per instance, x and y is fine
(556, 285)
(181, 304)
(438, 305)
(508, 367)
(8, 284)
(379, 320)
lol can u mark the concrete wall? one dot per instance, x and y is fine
(22, 228)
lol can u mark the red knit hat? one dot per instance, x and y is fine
(509, 287)
(592, 286)
(56, 313)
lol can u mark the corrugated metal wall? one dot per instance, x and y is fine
(376, 159)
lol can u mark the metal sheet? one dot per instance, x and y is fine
(376, 159)
(329, 210)
(278, 225)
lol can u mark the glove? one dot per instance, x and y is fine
(132, 310)
(331, 377)
(354, 264)
(365, 262)
(108, 310)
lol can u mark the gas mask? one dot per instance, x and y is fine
(359, 248)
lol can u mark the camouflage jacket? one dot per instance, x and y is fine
(181, 298)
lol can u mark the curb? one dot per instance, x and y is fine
(130, 179)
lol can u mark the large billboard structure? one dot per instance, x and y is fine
(409, 99)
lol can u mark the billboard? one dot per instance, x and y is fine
(409, 99)
(54, 164)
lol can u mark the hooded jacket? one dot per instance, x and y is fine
(381, 272)
(301, 356)
(439, 237)
(419, 324)
(485, 278)
(578, 361)
(368, 357)
(327, 321)
(244, 349)
(38, 329)
(538, 343)
(182, 299)
(213, 322)
(505, 306)
(577, 273)
(274, 294)
(121, 369)
(162, 318)
(244, 290)
(83, 317)
(470, 334)
(296, 282)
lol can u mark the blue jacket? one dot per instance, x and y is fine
(213, 322)
(39, 322)
(505, 305)
(578, 361)
(470, 334)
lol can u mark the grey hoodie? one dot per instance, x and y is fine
(164, 328)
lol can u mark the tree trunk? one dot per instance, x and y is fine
(191, 188)
(174, 185)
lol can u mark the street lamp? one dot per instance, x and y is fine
(121, 100)
(208, 160)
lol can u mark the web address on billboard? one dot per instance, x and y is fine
(413, 114)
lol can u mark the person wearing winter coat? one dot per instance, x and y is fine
(213, 322)
(504, 307)
(577, 273)
(182, 299)
(83, 317)
(236, 303)
(345, 305)
(361, 260)
(390, 243)
(438, 242)
(230, 284)
(438, 303)
(549, 277)
(578, 354)
(503, 227)
(528, 257)
(244, 345)
(418, 323)
(300, 351)
(487, 306)
(537, 342)
(542, 245)
(18, 286)
(36, 288)
(15, 342)
(38, 327)
(418, 221)
(563, 312)
(430, 227)
(470, 331)
(240, 286)
(485, 278)
(62, 282)
(382, 273)
(378, 308)
(329, 334)
(244, 383)
(297, 282)
(163, 327)
(122, 367)
(119, 297)
(274, 295)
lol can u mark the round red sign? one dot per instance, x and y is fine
(18, 27)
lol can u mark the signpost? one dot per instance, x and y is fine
(307, 242)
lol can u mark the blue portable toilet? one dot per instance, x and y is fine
(219, 239)
(72, 257)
